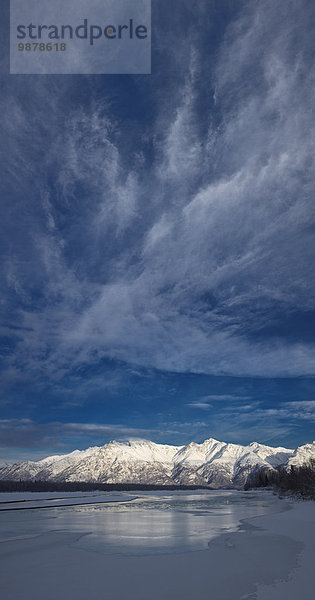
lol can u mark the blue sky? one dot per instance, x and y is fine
(157, 239)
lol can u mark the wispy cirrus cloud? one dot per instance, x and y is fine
(225, 397)
(301, 410)
(202, 405)
(189, 261)
(206, 402)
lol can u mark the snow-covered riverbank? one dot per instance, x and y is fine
(269, 558)
(299, 525)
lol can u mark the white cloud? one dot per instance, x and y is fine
(225, 397)
(180, 266)
(202, 405)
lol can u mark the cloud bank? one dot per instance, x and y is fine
(184, 244)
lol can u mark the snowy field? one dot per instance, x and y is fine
(218, 545)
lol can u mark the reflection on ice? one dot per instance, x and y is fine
(152, 524)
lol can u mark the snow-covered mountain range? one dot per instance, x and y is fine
(212, 463)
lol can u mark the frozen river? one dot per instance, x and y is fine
(151, 523)
(205, 545)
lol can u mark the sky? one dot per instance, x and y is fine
(157, 238)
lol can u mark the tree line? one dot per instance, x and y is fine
(298, 480)
(82, 486)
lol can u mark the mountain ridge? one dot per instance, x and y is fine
(212, 463)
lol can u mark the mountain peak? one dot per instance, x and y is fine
(211, 463)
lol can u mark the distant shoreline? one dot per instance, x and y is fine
(77, 486)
